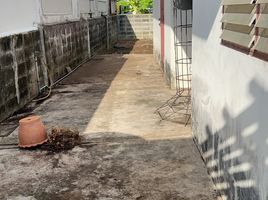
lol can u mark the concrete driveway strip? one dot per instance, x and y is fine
(111, 100)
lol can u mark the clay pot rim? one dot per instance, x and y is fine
(33, 145)
(29, 119)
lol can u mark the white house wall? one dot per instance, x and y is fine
(169, 62)
(102, 7)
(95, 7)
(54, 12)
(230, 95)
(156, 30)
(24, 15)
(84, 6)
(113, 7)
(59, 7)
(169, 45)
(18, 16)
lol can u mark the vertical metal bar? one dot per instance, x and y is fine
(187, 53)
(182, 56)
(175, 26)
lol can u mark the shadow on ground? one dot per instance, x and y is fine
(111, 166)
(128, 154)
(88, 83)
(96, 74)
(134, 47)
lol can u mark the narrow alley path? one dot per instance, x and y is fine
(111, 100)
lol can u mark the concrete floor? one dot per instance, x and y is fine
(111, 100)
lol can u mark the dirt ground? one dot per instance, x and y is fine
(128, 153)
(134, 47)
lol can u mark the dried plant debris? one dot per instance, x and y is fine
(62, 139)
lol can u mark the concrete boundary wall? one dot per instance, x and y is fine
(66, 45)
(18, 71)
(135, 27)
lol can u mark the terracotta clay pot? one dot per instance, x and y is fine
(32, 132)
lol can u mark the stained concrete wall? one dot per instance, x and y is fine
(135, 27)
(19, 66)
(22, 73)
(230, 95)
(112, 31)
(66, 46)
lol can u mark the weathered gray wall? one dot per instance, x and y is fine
(230, 112)
(18, 71)
(98, 35)
(113, 30)
(66, 45)
(135, 27)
